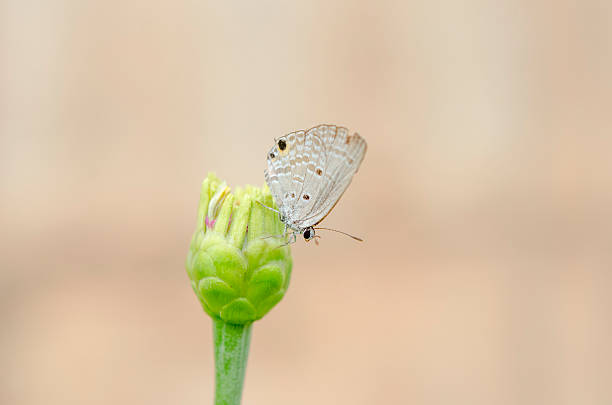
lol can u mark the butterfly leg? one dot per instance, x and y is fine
(265, 206)
(273, 236)
(289, 242)
(294, 237)
(283, 235)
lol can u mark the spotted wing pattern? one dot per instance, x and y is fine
(344, 155)
(310, 175)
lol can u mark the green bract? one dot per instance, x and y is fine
(237, 270)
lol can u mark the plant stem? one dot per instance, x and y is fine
(231, 353)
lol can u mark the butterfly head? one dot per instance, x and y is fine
(308, 233)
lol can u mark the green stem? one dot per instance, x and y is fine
(231, 353)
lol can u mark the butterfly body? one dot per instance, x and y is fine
(308, 171)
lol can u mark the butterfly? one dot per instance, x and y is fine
(307, 173)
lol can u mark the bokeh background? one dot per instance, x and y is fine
(485, 198)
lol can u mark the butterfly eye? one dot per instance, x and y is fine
(306, 197)
(309, 233)
(282, 144)
(272, 155)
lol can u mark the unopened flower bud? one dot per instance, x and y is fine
(238, 262)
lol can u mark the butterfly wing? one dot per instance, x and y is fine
(286, 169)
(333, 158)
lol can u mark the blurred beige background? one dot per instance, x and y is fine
(485, 198)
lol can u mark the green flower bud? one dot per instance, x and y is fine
(238, 264)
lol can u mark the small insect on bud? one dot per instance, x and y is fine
(317, 167)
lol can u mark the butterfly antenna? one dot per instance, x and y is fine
(344, 233)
